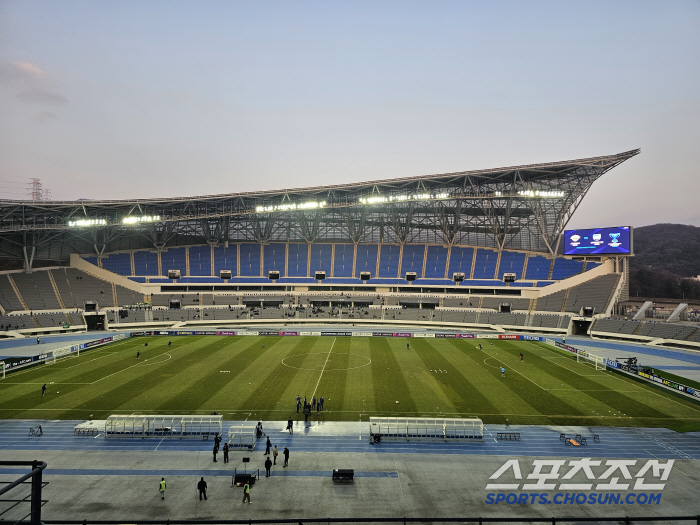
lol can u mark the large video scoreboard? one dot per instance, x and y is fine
(616, 240)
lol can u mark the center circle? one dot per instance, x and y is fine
(322, 361)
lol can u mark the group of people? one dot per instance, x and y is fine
(217, 443)
(316, 404)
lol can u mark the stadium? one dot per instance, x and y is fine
(448, 319)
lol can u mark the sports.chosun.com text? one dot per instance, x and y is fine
(575, 498)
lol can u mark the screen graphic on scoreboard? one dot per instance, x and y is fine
(615, 240)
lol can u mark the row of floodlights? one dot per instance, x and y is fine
(403, 198)
(81, 223)
(377, 199)
(543, 194)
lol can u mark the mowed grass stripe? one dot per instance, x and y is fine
(527, 386)
(145, 386)
(333, 382)
(389, 386)
(77, 395)
(355, 393)
(275, 381)
(192, 389)
(431, 371)
(480, 377)
(480, 389)
(604, 396)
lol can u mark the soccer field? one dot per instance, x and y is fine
(358, 377)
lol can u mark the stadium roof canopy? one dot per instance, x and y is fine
(520, 207)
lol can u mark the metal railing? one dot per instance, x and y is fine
(12, 510)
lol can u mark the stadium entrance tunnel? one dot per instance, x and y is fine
(95, 322)
(581, 327)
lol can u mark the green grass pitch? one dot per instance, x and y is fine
(358, 377)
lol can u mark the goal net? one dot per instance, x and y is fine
(595, 361)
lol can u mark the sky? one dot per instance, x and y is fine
(138, 99)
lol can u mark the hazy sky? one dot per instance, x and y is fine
(124, 99)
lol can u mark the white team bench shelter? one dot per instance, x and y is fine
(425, 429)
(130, 426)
(242, 436)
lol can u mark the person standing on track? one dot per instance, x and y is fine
(225, 452)
(275, 452)
(216, 449)
(161, 488)
(246, 492)
(286, 457)
(290, 426)
(268, 466)
(202, 487)
(267, 446)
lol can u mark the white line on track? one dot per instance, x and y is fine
(324, 368)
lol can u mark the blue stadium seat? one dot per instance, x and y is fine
(366, 259)
(564, 268)
(412, 260)
(200, 260)
(250, 259)
(434, 282)
(511, 262)
(485, 264)
(119, 263)
(482, 282)
(342, 261)
(388, 260)
(91, 260)
(173, 259)
(226, 259)
(321, 259)
(274, 258)
(297, 259)
(435, 262)
(146, 263)
(460, 261)
(537, 267)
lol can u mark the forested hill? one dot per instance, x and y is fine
(674, 248)
(665, 256)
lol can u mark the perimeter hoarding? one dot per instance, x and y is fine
(616, 240)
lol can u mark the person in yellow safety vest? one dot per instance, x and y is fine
(162, 488)
(246, 492)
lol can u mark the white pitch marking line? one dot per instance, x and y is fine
(511, 369)
(324, 368)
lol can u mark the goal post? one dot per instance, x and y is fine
(2, 369)
(596, 361)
